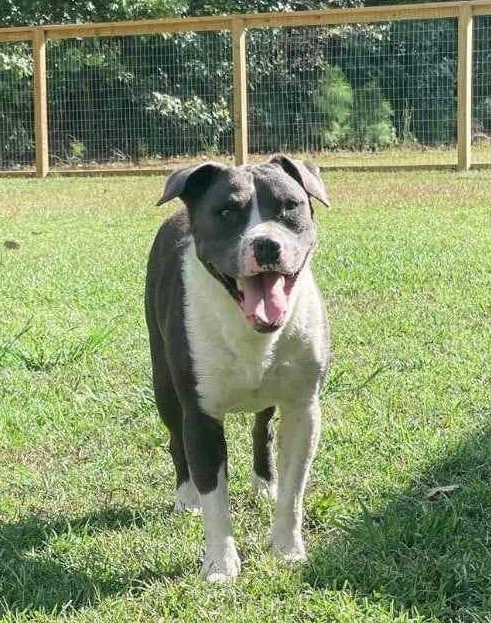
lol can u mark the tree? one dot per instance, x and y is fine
(34, 12)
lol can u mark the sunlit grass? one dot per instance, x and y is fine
(86, 485)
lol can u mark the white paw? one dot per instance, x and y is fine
(288, 546)
(263, 488)
(187, 499)
(221, 562)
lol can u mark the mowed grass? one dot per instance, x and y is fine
(86, 486)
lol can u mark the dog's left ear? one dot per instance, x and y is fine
(307, 174)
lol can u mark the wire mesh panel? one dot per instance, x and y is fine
(134, 99)
(371, 93)
(481, 101)
(354, 87)
(16, 107)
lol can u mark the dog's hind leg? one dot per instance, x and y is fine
(169, 408)
(264, 479)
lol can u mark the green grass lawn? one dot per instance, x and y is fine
(412, 155)
(86, 486)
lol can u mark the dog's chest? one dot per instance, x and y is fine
(231, 377)
(235, 368)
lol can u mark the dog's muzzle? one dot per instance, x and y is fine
(265, 299)
(263, 295)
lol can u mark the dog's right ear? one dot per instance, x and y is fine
(307, 174)
(190, 182)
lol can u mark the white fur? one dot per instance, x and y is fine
(298, 436)
(263, 488)
(187, 499)
(237, 368)
(254, 216)
(221, 562)
(230, 358)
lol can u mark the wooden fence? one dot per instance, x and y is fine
(237, 25)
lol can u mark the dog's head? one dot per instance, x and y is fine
(253, 228)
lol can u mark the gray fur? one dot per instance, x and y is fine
(212, 355)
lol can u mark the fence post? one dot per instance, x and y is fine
(464, 89)
(40, 102)
(240, 91)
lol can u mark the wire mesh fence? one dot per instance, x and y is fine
(17, 149)
(136, 99)
(354, 87)
(481, 101)
(375, 91)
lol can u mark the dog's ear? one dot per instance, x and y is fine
(190, 182)
(307, 174)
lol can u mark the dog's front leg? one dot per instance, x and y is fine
(298, 436)
(206, 452)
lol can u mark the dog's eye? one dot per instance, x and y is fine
(289, 206)
(228, 213)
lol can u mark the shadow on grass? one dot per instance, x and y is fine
(429, 553)
(33, 578)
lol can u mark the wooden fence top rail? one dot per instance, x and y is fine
(434, 10)
(24, 33)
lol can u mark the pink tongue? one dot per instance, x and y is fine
(264, 297)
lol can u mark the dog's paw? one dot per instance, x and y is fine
(187, 499)
(221, 563)
(288, 546)
(263, 488)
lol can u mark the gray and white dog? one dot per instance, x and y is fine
(236, 323)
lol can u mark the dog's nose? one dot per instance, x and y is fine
(266, 251)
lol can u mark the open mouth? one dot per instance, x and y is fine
(263, 298)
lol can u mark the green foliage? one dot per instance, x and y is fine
(21, 12)
(16, 105)
(17, 62)
(372, 118)
(170, 108)
(482, 87)
(217, 7)
(333, 99)
(427, 78)
(357, 118)
(77, 150)
(202, 123)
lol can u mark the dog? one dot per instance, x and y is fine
(236, 323)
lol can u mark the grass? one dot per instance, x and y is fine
(86, 487)
(405, 155)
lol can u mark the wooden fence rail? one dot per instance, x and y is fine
(462, 11)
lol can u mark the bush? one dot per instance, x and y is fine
(373, 126)
(16, 106)
(357, 118)
(202, 123)
(333, 99)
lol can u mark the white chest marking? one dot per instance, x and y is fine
(229, 357)
(237, 368)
